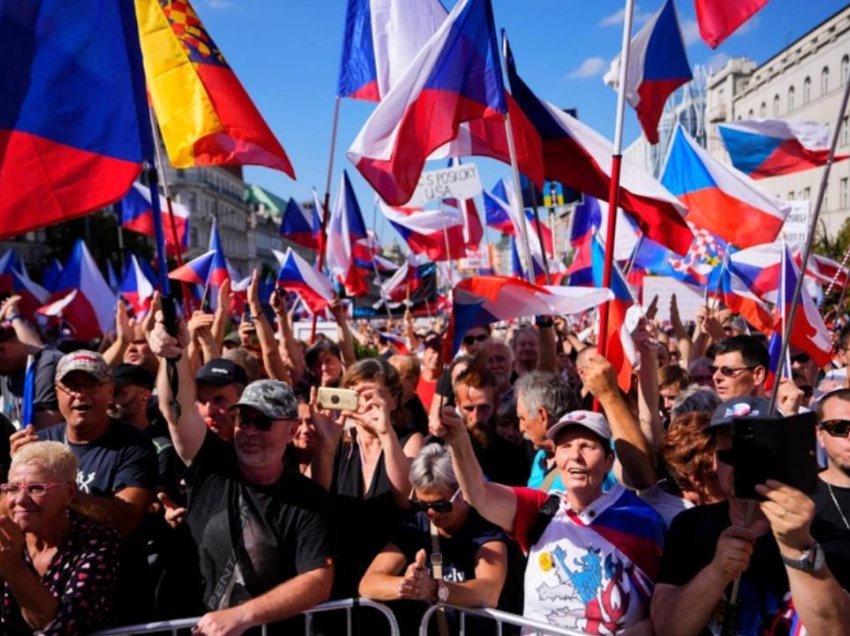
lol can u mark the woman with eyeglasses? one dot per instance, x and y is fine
(473, 553)
(58, 571)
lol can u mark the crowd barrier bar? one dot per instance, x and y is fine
(175, 626)
(500, 617)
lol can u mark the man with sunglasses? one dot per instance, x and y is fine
(740, 367)
(262, 530)
(832, 500)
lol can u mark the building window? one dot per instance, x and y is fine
(844, 193)
(763, 110)
(750, 114)
(790, 99)
(845, 69)
(791, 195)
(807, 194)
(776, 106)
(807, 90)
(824, 81)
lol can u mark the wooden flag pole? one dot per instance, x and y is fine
(616, 163)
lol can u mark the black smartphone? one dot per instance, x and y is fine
(169, 315)
(774, 448)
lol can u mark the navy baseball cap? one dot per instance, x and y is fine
(221, 372)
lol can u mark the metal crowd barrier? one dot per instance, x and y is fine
(501, 618)
(347, 604)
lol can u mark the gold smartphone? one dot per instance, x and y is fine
(337, 399)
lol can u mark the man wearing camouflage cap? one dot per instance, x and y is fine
(262, 530)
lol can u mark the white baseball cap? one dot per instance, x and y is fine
(595, 422)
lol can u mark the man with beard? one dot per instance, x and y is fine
(261, 529)
(475, 396)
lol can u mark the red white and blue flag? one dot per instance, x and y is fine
(136, 288)
(498, 212)
(438, 234)
(74, 125)
(195, 272)
(219, 271)
(658, 65)
(721, 199)
(348, 243)
(82, 298)
(298, 226)
(727, 285)
(455, 78)
(718, 19)
(297, 275)
(771, 147)
(579, 157)
(135, 213)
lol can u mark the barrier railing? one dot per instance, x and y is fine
(175, 626)
(501, 618)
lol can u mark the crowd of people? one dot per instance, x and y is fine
(181, 470)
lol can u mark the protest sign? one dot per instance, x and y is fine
(688, 299)
(459, 182)
(795, 231)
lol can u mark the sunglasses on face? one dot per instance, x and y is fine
(32, 490)
(259, 422)
(729, 372)
(440, 507)
(836, 428)
(469, 340)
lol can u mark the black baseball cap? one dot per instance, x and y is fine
(132, 374)
(744, 406)
(221, 372)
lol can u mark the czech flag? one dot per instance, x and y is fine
(348, 240)
(436, 233)
(136, 213)
(718, 19)
(51, 275)
(381, 39)
(137, 288)
(297, 275)
(771, 147)
(579, 157)
(14, 280)
(808, 333)
(206, 117)
(590, 217)
(195, 272)
(82, 297)
(726, 285)
(297, 226)
(219, 271)
(658, 65)
(455, 78)
(721, 199)
(498, 213)
(657, 259)
(74, 126)
(482, 300)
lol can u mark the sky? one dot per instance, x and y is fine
(286, 54)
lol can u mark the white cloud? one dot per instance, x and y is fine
(690, 31)
(591, 67)
(717, 62)
(617, 18)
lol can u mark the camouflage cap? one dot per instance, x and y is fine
(272, 398)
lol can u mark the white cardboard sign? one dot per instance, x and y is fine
(459, 182)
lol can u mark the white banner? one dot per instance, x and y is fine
(664, 287)
(796, 228)
(461, 182)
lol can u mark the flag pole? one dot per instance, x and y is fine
(838, 272)
(517, 203)
(616, 163)
(810, 239)
(323, 221)
(540, 236)
(161, 166)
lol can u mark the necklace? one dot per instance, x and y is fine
(837, 507)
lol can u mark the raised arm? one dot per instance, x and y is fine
(185, 422)
(10, 312)
(547, 359)
(495, 502)
(265, 334)
(114, 355)
(648, 393)
(290, 351)
(346, 343)
(223, 309)
(681, 334)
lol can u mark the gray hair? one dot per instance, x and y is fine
(548, 391)
(54, 457)
(432, 469)
(694, 399)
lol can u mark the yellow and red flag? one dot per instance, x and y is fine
(204, 114)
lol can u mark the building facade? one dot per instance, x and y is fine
(804, 81)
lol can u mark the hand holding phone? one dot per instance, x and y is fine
(331, 399)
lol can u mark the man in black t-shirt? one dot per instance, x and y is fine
(831, 526)
(262, 530)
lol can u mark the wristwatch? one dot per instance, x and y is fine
(811, 560)
(442, 592)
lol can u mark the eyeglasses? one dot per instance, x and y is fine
(729, 372)
(32, 490)
(469, 340)
(836, 428)
(440, 507)
(260, 422)
(79, 389)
